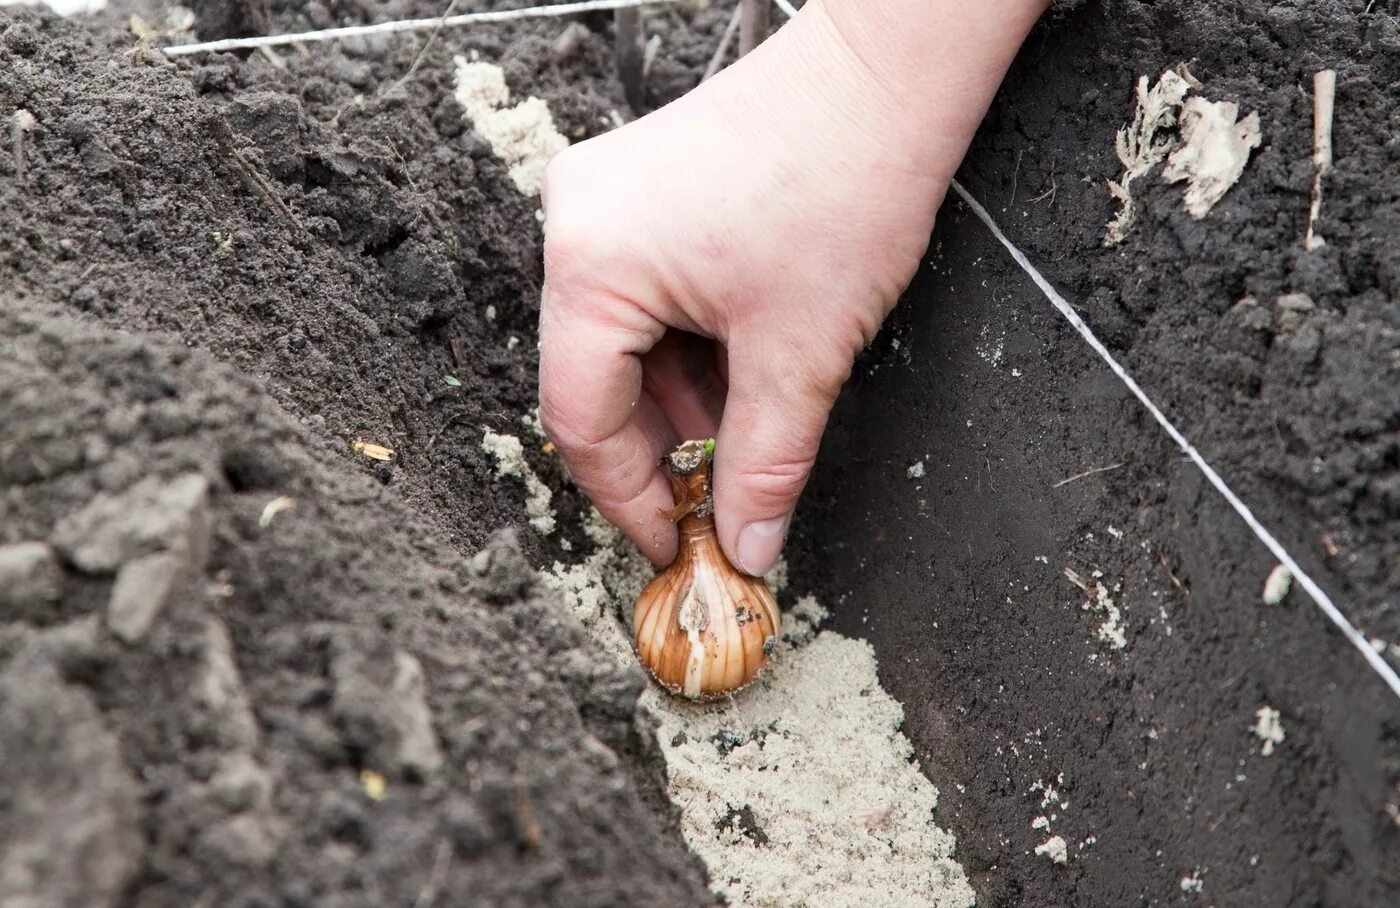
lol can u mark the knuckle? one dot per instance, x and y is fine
(778, 483)
(824, 376)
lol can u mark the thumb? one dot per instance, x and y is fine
(773, 421)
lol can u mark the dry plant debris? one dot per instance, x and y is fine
(372, 451)
(1215, 147)
(1324, 99)
(1210, 155)
(1139, 146)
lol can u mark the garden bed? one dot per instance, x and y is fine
(223, 272)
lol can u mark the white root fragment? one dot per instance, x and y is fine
(1214, 150)
(1324, 98)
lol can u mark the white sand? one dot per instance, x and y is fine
(523, 135)
(510, 461)
(1269, 729)
(837, 814)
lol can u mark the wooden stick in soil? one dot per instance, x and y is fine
(753, 25)
(1324, 98)
(627, 24)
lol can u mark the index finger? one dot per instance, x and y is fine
(610, 432)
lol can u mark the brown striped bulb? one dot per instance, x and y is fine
(703, 628)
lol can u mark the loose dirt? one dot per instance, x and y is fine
(219, 274)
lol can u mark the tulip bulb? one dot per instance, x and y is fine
(703, 628)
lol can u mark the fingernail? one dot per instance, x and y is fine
(760, 543)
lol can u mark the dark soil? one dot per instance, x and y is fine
(328, 241)
(328, 236)
(957, 577)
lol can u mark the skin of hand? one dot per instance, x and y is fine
(713, 268)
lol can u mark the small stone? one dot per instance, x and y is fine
(469, 827)
(1304, 345)
(381, 705)
(500, 573)
(219, 691)
(241, 784)
(142, 590)
(72, 833)
(247, 840)
(30, 576)
(418, 750)
(1293, 309)
(154, 515)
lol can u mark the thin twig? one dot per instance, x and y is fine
(1176, 581)
(1324, 96)
(1049, 193)
(408, 25)
(730, 30)
(272, 58)
(418, 59)
(1069, 479)
(262, 187)
(436, 877)
(653, 49)
(358, 102)
(1015, 175)
(753, 24)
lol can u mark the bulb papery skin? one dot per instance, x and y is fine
(703, 628)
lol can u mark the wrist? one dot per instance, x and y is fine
(929, 68)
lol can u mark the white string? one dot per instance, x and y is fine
(409, 25)
(1323, 601)
(788, 9)
(1309, 585)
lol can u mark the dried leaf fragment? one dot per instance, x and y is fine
(373, 784)
(142, 29)
(1140, 147)
(372, 451)
(1215, 148)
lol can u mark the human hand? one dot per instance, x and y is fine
(713, 269)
